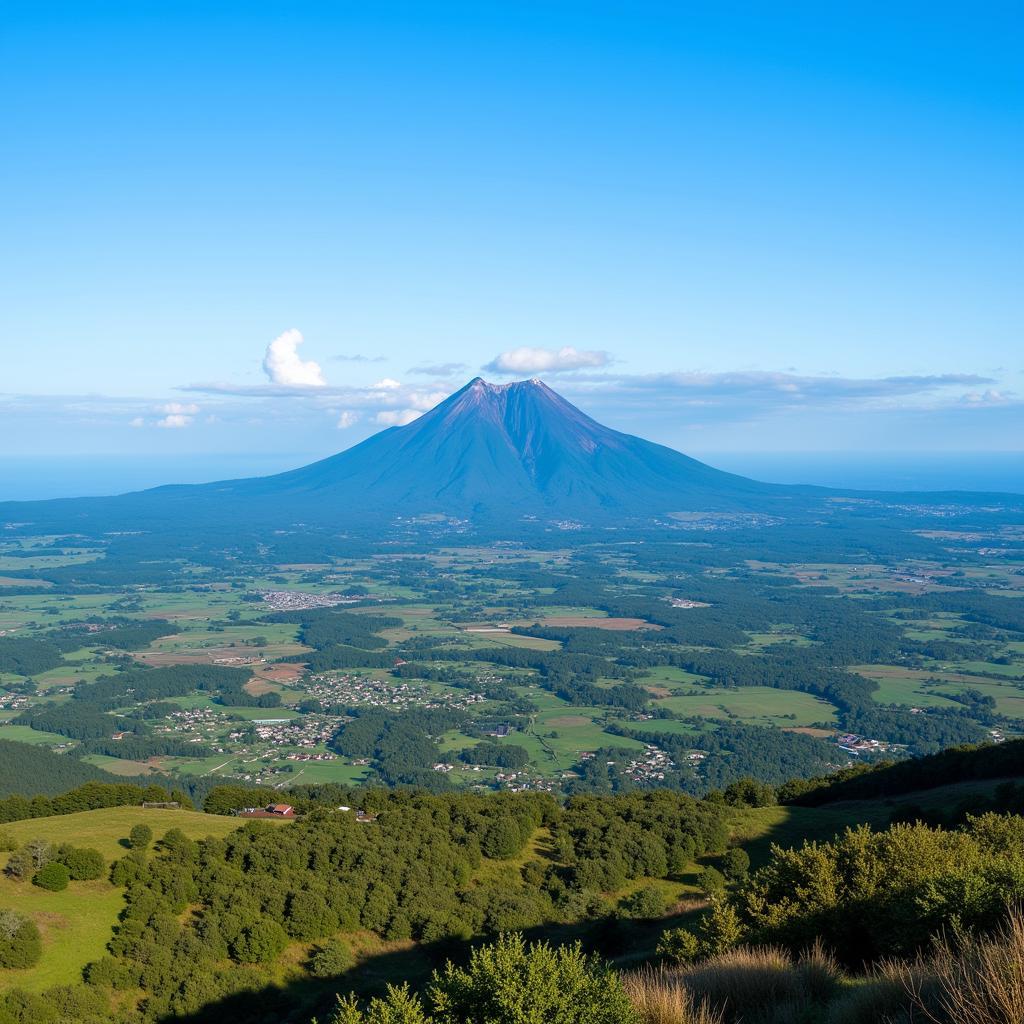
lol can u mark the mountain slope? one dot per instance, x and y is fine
(512, 447)
(488, 452)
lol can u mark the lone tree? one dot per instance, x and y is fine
(20, 944)
(140, 837)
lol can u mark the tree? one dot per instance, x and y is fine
(52, 876)
(260, 942)
(40, 851)
(645, 903)
(735, 864)
(711, 881)
(83, 863)
(679, 945)
(512, 983)
(20, 944)
(749, 792)
(140, 837)
(399, 1006)
(330, 959)
(721, 928)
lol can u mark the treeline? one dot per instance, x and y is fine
(732, 752)
(28, 657)
(887, 779)
(87, 797)
(119, 632)
(413, 874)
(402, 747)
(340, 639)
(35, 771)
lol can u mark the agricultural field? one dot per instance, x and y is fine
(618, 655)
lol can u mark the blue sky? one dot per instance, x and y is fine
(275, 228)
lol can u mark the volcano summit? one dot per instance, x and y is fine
(501, 449)
(489, 452)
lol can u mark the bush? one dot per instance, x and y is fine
(260, 942)
(20, 944)
(140, 837)
(53, 876)
(678, 945)
(711, 881)
(83, 863)
(645, 903)
(508, 983)
(331, 959)
(735, 864)
(720, 930)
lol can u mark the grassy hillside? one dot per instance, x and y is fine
(76, 923)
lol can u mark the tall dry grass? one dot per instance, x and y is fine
(661, 998)
(972, 980)
(979, 981)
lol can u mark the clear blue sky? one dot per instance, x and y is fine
(724, 226)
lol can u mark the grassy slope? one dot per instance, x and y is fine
(76, 924)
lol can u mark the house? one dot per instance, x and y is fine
(270, 811)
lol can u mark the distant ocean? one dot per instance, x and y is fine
(23, 478)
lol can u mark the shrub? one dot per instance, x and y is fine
(720, 929)
(53, 876)
(331, 959)
(260, 942)
(20, 944)
(645, 903)
(509, 982)
(735, 864)
(711, 881)
(83, 863)
(140, 837)
(678, 945)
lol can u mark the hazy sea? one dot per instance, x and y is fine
(24, 478)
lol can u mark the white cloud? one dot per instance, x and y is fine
(546, 360)
(978, 399)
(396, 417)
(347, 419)
(174, 421)
(177, 415)
(387, 384)
(283, 365)
(137, 422)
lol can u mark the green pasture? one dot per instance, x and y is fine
(756, 705)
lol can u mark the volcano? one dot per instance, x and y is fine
(490, 453)
(487, 453)
(501, 449)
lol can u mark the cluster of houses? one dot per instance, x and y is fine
(365, 691)
(650, 766)
(852, 744)
(298, 600)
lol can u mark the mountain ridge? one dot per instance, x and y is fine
(488, 453)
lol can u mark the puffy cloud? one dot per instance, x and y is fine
(284, 367)
(347, 419)
(396, 417)
(137, 422)
(174, 421)
(387, 384)
(177, 415)
(547, 360)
